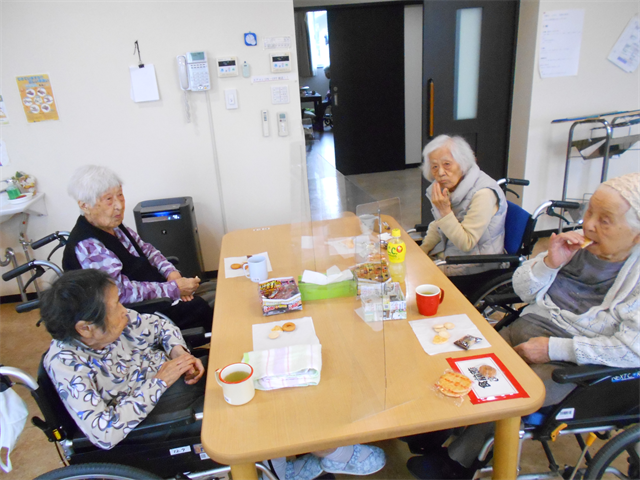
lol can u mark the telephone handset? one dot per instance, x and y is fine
(193, 71)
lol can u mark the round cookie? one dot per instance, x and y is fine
(438, 340)
(449, 326)
(274, 335)
(236, 266)
(487, 371)
(454, 384)
(289, 327)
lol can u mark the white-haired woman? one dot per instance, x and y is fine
(469, 208)
(100, 240)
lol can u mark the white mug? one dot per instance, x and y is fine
(240, 390)
(256, 268)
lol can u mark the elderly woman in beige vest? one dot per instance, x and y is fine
(469, 208)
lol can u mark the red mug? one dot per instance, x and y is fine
(428, 297)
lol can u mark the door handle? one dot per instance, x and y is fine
(335, 99)
(431, 101)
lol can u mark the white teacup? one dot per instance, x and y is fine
(236, 381)
(256, 268)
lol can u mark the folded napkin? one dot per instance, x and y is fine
(293, 366)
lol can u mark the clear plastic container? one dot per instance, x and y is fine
(13, 191)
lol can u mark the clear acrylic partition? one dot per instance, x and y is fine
(324, 227)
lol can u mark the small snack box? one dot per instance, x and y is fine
(383, 302)
(280, 295)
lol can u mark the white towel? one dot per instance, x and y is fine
(293, 366)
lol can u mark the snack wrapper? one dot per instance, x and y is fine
(280, 295)
(467, 341)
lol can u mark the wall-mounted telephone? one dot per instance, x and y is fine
(193, 71)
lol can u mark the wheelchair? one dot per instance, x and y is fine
(604, 400)
(149, 452)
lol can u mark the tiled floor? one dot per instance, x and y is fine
(22, 344)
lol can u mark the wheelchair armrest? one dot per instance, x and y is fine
(467, 259)
(164, 421)
(195, 337)
(502, 299)
(421, 227)
(149, 306)
(174, 260)
(585, 373)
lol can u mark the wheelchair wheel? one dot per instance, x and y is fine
(498, 286)
(626, 443)
(98, 471)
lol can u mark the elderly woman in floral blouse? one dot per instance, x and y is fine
(111, 366)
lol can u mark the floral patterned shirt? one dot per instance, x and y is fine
(92, 253)
(109, 392)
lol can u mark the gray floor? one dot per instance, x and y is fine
(331, 193)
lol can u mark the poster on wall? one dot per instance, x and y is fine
(626, 52)
(36, 95)
(4, 118)
(560, 43)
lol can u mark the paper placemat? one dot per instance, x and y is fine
(304, 334)
(463, 326)
(501, 386)
(230, 272)
(344, 246)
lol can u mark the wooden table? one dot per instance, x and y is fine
(375, 385)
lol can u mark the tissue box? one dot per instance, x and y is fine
(311, 291)
(383, 302)
(280, 295)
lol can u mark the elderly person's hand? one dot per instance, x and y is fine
(534, 350)
(440, 199)
(193, 375)
(187, 287)
(562, 248)
(182, 364)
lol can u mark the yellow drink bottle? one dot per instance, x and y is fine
(396, 252)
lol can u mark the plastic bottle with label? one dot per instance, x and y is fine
(396, 252)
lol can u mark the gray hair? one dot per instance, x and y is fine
(460, 151)
(90, 182)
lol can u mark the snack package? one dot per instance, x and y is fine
(280, 295)
(453, 386)
(467, 341)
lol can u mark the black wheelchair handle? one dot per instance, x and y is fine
(468, 259)
(28, 306)
(516, 181)
(19, 270)
(44, 241)
(565, 205)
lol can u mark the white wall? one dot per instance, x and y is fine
(538, 148)
(86, 48)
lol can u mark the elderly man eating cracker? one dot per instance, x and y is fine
(584, 308)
